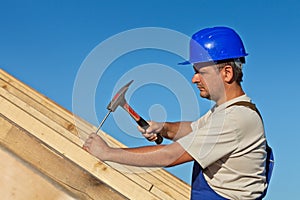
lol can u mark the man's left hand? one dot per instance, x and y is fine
(96, 146)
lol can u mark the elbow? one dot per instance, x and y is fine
(174, 155)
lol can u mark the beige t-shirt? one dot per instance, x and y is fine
(229, 144)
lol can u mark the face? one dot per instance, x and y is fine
(208, 81)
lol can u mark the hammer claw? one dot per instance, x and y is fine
(119, 100)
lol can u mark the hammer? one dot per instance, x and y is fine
(119, 100)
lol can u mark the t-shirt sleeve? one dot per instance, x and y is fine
(211, 140)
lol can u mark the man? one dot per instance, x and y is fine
(227, 144)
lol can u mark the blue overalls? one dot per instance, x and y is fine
(202, 191)
(200, 188)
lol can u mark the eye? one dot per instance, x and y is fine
(195, 70)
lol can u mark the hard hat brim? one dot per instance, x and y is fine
(185, 63)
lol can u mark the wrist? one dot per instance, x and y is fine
(164, 130)
(105, 154)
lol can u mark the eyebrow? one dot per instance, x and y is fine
(198, 70)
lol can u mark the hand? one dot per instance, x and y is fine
(96, 146)
(152, 131)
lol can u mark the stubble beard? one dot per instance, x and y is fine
(205, 95)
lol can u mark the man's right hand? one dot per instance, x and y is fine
(152, 131)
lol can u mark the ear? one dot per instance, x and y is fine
(228, 74)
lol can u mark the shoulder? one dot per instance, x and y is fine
(247, 122)
(242, 114)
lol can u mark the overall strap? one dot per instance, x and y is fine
(270, 156)
(200, 188)
(246, 104)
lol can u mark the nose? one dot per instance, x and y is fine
(196, 78)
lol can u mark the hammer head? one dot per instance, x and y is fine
(119, 98)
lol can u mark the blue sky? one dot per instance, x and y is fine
(47, 44)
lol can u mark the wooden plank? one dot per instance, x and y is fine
(13, 95)
(65, 133)
(139, 175)
(49, 108)
(172, 189)
(41, 103)
(61, 171)
(130, 172)
(182, 187)
(44, 100)
(19, 182)
(41, 108)
(62, 117)
(71, 151)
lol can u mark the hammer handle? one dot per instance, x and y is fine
(140, 121)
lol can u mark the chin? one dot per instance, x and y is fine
(205, 95)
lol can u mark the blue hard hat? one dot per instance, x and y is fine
(215, 44)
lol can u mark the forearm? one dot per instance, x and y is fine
(148, 156)
(141, 157)
(176, 130)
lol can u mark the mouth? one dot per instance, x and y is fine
(200, 87)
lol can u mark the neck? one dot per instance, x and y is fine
(231, 92)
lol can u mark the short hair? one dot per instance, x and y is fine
(236, 65)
